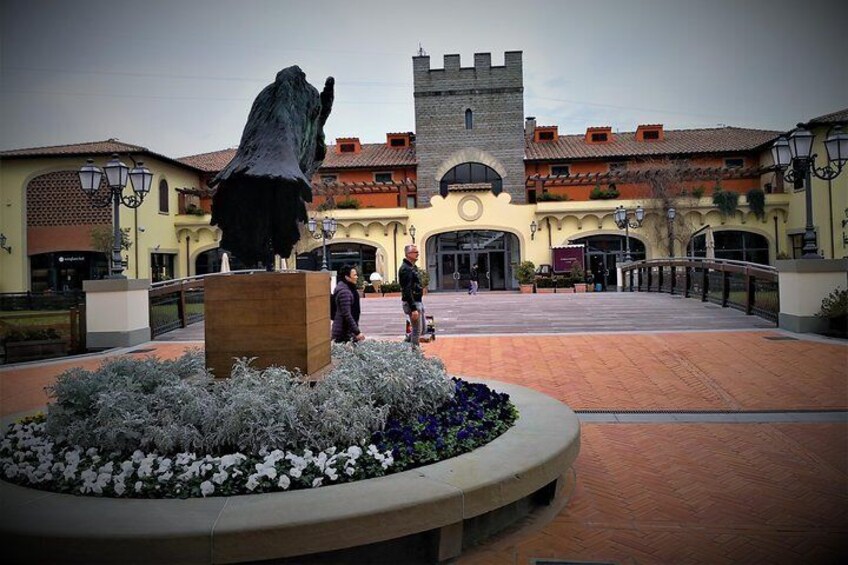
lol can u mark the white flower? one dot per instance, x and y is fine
(252, 483)
(138, 485)
(317, 482)
(219, 477)
(331, 473)
(354, 451)
(284, 482)
(206, 488)
(120, 488)
(295, 472)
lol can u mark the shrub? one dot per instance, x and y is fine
(544, 282)
(525, 272)
(387, 287)
(37, 334)
(551, 197)
(348, 204)
(757, 202)
(168, 406)
(725, 201)
(835, 304)
(698, 192)
(599, 193)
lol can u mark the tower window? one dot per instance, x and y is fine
(469, 119)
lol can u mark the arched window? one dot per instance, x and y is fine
(469, 119)
(163, 196)
(471, 173)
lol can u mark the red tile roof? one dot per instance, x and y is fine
(676, 142)
(838, 117)
(372, 156)
(210, 162)
(89, 148)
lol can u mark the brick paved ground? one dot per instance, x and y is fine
(658, 492)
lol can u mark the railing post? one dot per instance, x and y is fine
(660, 278)
(650, 278)
(182, 306)
(687, 279)
(750, 289)
(705, 284)
(725, 288)
(632, 276)
(73, 314)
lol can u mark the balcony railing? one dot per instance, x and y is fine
(750, 287)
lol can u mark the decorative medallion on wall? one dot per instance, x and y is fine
(470, 208)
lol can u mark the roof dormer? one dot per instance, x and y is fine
(601, 134)
(650, 132)
(545, 133)
(398, 140)
(346, 145)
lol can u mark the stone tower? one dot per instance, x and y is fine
(495, 97)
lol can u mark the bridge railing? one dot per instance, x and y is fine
(750, 287)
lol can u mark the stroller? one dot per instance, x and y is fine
(429, 328)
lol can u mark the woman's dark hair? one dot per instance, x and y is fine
(344, 271)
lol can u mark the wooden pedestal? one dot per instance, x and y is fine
(281, 319)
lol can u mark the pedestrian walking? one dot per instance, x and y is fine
(474, 279)
(411, 294)
(345, 307)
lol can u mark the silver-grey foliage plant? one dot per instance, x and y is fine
(173, 406)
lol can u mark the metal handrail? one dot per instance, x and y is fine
(752, 287)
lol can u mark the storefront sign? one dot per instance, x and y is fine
(71, 259)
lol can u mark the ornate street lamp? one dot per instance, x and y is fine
(671, 213)
(412, 233)
(326, 230)
(533, 228)
(623, 222)
(795, 154)
(117, 174)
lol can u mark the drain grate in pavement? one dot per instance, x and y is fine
(534, 561)
(781, 338)
(148, 350)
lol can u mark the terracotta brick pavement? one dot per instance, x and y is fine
(673, 371)
(655, 493)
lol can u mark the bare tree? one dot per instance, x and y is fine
(666, 183)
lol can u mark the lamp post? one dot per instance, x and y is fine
(412, 233)
(797, 151)
(116, 181)
(533, 228)
(671, 213)
(623, 222)
(326, 230)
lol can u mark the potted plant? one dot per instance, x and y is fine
(578, 275)
(834, 308)
(545, 285)
(425, 279)
(34, 344)
(526, 274)
(390, 289)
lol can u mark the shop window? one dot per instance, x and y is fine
(161, 266)
(382, 177)
(163, 196)
(560, 170)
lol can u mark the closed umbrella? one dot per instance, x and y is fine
(225, 263)
(710, 244)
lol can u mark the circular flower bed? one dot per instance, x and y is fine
(167, 429)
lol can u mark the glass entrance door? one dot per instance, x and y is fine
(454, 271)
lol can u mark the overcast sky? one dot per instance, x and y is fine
(179, 76)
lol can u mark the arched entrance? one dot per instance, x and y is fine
(734, 244)
(450, 256)
(361, 256)
(604, 252)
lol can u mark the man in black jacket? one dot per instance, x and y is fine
(412, 292)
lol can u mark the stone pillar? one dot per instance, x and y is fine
(117, 312)
(804, 283)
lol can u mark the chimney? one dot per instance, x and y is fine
(347, 145)
(529, 126)
(650, 132)
(601, 134)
